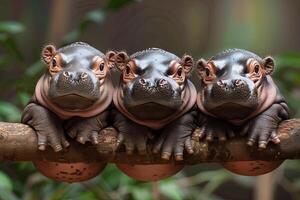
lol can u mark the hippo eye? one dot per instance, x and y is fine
(127, 69)
(256, 69)
(179, 72)
(101, 66)
(207, 72)
(54, 63)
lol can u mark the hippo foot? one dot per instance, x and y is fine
(86, 129)
(176, 138)
(263, 128)
(213, 129)
(47, 127)
(134, 138)
(173, 143)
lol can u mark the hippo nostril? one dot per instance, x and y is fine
(162, 82)
(142, 82)
(66, 74)
(221, 83)
(237, 82)
(84, 75)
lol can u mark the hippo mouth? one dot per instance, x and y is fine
(151, 111)
(232, 111)
(73, 101)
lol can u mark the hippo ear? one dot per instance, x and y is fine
(269, 65)
(201, 65)
(121, 59)
(111, 59)
(187, 63)
(48, 53)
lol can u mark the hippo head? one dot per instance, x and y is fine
(76, 74)
(231, 81)
(152, 82)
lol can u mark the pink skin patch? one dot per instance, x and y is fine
(188, 96)
(41, 94)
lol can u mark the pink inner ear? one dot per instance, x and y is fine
(201, 64)
(110, 55)
(122, 56)
(48, 53)
(188, 60)
(269, 64)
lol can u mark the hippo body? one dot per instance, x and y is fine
(155, 96)
(239, 95)
(76, 87)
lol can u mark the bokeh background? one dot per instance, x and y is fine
(199, 27)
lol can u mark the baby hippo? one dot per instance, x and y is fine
(77, 84)
(238, 94)
(155, 94)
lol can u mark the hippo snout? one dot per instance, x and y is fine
(232, 89)
(157, 83)
(230, 95)
(159, 88)
(79, 87)
(74, 76)
(231, 84)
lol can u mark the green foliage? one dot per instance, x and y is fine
(9, 112)
(22, 181)
(117, 4)
(288, 72)
(7, 32)
(94, 17)
(170, 189)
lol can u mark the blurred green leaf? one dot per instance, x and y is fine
(92, 17)
(169, 188)
(291, 59)
(117, 179)
(95, 16)
(7, 195)
(9, 112)
(11, 27)
(116, 4)
(141, 193)
(220, 177)
(10, 44)
(5, 182)
(24, 98)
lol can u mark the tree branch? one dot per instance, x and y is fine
(18, 143)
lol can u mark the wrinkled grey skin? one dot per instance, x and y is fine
(152, 89)
(233, 95)
(74, 88)
(153, 95)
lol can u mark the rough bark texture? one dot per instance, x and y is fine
(18, 143)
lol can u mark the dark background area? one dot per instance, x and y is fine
(198, 27)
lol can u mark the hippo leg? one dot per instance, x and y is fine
(132, 135)
(263, 128)
(176, 137)
(47, 126)
(211, 128)
(86, 129)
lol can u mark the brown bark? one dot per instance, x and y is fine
(18, 143)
